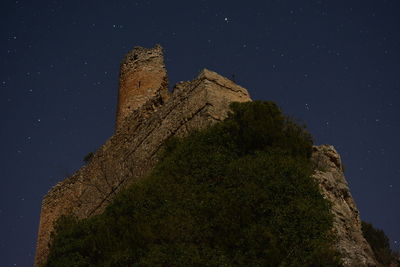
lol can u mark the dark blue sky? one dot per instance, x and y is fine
(333, 64)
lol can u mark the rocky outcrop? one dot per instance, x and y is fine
(347, 224)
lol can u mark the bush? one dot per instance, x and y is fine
(89, 156)
(379, 243)
(239, 193)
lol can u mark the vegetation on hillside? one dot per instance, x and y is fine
(379, 243)
(238, 193)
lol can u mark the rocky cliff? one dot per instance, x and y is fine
(147, 116)
(347, 224)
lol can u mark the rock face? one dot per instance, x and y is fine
(351, 242)
(147, 116)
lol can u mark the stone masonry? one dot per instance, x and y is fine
(147, 116)
(142, 77)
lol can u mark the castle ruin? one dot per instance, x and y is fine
(148, 115)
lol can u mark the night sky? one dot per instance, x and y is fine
(334, 65)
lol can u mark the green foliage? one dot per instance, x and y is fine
(238, 193)
(379, 243)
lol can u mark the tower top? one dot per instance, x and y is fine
(138, 55)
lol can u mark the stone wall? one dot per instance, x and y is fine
(142, 77)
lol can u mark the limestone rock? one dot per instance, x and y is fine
(329, 173)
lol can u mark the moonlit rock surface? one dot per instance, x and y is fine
(347, 224)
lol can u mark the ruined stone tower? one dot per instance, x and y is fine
(142, 76)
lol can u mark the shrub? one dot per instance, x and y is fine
(379, 243)
(89, 156)
(238, 193)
